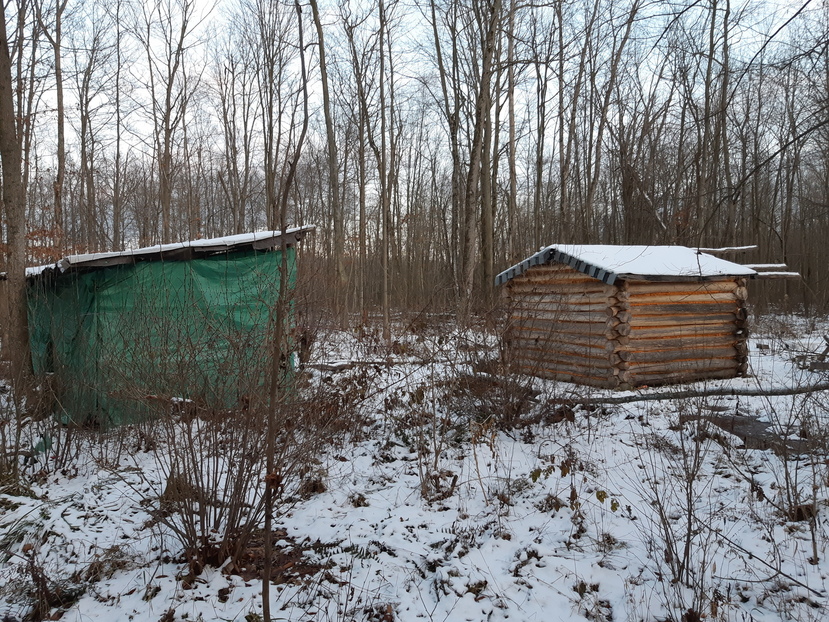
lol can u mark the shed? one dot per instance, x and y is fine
(121, 332)
(625, 316)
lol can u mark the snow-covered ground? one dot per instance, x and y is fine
(466, 496)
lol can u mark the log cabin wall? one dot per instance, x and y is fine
(565, 325)
(682, 331)
(559, 326)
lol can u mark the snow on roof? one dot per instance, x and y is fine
(258, 240)
(648, 263)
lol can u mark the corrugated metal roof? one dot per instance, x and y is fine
(647, 263)
(258, 240)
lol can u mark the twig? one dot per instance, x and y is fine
(762, 561)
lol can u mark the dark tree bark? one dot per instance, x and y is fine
(14, 206)
(278, 390)
(333, 171)
(472, 192)
(55, 39)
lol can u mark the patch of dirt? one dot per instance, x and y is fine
(483, 396)
(289, 563)
(754, 433)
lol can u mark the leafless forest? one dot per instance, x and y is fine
(433, 143)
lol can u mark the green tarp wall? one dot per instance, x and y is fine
(123, 340)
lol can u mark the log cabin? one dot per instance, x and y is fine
(626, 316)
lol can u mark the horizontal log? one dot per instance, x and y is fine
(572, 354)
(517, 343)
(656, 353)
(563, 279)
(541, 294)
(703, 364)
(766, 266)
(639, 287)
(659, 378)
(778, 275)
(559, 288)
(642, 293)
(531, 276)
(597, 342)
(679, 324)
(587, 366)
(581, 357)
(551, 313)
(685, 341)
(578, 354)
(704, 391)
(595, 381)
(668, 356)
(659, 278)
(709, 349)
(679, 331)
(644, 301)
(727, 249)
(533, 299)
(681, 320)
(558, 329)
(683, 290)
(563, 368)
(579, 294)
(699, 308)
(551, 308)
(675, 327)
(559, 317)
(580, 328)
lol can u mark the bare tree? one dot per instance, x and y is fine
(92, 52)
(333, 166)
(16, 335)
(490, 21)
(238, 105)
(55, 37)
(375, 53)
(166, 32)
(278, 392)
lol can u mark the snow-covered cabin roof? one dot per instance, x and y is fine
(645, 263)
(258, 240)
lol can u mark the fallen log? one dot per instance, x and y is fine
(690, 393)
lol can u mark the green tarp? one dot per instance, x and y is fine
(122, 340)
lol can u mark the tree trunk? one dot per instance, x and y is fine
(60, 174)
(333, 175)
(482, 109)
(278, 386)
(512, 201)
(14, 204)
